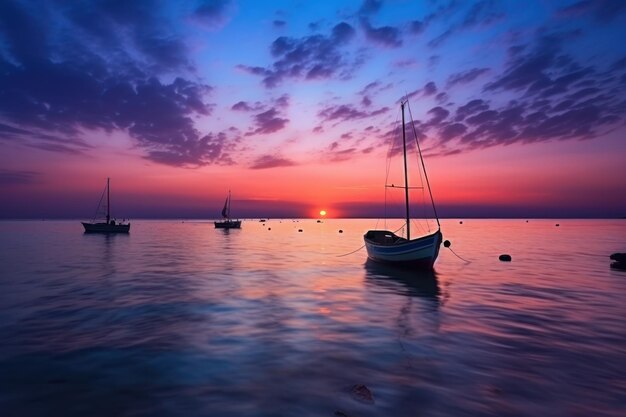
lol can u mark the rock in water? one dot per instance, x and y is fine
(505, 258)
(361, 393)
(619, 257)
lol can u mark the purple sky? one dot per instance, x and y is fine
(520, 106)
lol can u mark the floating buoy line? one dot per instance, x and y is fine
(447, 244)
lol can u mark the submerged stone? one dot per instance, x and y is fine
(361, 393)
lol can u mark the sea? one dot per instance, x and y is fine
(287, 318)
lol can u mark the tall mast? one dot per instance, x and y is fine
(419, 151)
(228, 213)
(108, 202)
(406, 178)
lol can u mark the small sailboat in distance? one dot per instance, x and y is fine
(227, 223)
(108, 226)
(387, 247)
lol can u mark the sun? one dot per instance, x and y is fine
(322, 212)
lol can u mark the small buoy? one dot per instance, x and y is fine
(526, 221)
(269, 228)
(505, 258)
(461, 222)
(446, 243)
(319, 221)
(340, 231)
(299, 230)
(557, 225)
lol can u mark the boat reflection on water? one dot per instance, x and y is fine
(394, 279)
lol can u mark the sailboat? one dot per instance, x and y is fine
(109, 226)
(227, 223)
(387, 247)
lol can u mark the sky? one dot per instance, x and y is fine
(294, 106)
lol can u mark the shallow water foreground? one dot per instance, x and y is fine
(180, 319)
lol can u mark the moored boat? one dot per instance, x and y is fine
(227, 222)
(109, 225)
(387, 247)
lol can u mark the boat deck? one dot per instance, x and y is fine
(384, 237)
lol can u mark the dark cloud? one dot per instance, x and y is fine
(601, 10)
(416, 27)
(309, 57)
(271, 161)
(452, 131)
(246, 106)
(386, 36)
(135, 26)
(374, 88)
(437, 41)
(437, 115)
(370, 7)
(242, 106)
(433, 60)
(559, 110)
(211, 147)
(465, 76)
(471, 107)
(212, 12)
(429, 89)
(481, 13)
(279, 23)
(268, 122)
(441, 97)
(269, 118)
(405, 63)
(340, 155)
(346, 112)
(18, 177)
(97, 68)
(314, 26)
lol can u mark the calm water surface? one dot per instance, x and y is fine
(180, 319)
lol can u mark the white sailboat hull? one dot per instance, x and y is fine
(384, 246)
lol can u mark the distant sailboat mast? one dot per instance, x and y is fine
(406, 177)
(108, 201)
